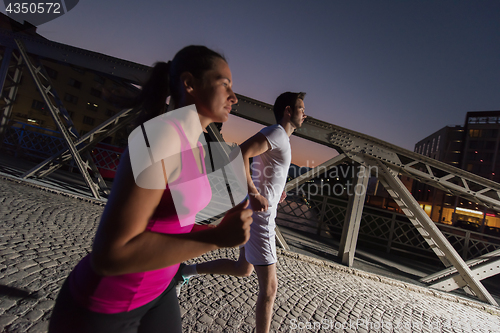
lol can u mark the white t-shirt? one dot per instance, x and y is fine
(270, 169)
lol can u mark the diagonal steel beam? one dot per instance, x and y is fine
(65, 131)
(314, 172)
(429, 230)
(352, 220)
(352, 143)
(83, 143)
(10, 96)
(481, 272)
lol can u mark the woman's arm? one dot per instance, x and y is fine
(254, 146)
(122, 244)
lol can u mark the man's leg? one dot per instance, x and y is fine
(241, 267)
(268, 286)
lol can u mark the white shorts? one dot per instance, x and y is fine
(261, 247)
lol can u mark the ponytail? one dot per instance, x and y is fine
(164, 81)
(154, 93)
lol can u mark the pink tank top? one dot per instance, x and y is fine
(121, 293)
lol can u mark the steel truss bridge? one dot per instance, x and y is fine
(23, 52)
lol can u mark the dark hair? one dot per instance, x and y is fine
(194, 59)
(164, 81)
(284, 100)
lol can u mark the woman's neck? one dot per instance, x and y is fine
(192, 123)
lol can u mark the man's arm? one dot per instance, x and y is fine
(252, 147)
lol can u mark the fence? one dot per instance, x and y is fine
(379, 228)
(322, 215)
(24, 140)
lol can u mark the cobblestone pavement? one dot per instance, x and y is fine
(43, 235)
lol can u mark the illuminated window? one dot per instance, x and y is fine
(475, 133)
(92, 106)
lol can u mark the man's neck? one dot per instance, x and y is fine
(289, 128)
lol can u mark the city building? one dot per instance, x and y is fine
(444, 145)
(472, 147)
(481, 144)
(80, 90)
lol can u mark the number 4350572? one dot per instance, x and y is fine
(33, 8)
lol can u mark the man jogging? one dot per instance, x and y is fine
(271, 152)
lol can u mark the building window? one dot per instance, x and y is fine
(52, 73)
(490, 133)
(473, 156)
(432, 148)
(107, 140)
(38, 105)
(83, 132)
(92, 106)
(110, 113)
(487, 157)
(78, 69)
(95, 92)
(437, 145)
(71, 98)
(489, 145)
(88, 120)
(75, 83)
(475, 133)
(33, 121)
(99, 79)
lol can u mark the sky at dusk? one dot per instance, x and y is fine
(395, 70)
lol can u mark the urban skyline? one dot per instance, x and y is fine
(397, 71)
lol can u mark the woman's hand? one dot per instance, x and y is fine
(259, 202)
(234, 229)
(283, 197)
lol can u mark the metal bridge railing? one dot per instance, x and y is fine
(25, 140)
(319, 214)
(383, 229)
(33, 141)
